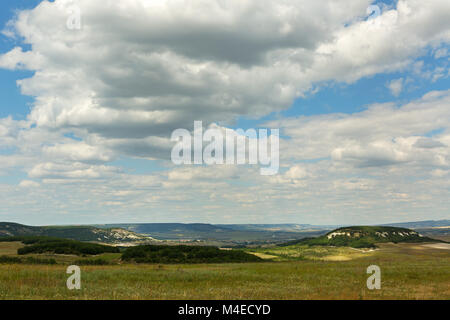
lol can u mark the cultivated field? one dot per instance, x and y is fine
(409, 271)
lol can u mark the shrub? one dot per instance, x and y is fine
(9, 260)
(92, 262)
(29, 260)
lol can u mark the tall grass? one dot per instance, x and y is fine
(418, 275)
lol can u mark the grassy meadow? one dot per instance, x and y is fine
(409, 271)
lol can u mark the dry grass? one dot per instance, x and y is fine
(407, 273)
(304, 252)
(9, 248)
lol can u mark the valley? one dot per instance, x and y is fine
(329, 266)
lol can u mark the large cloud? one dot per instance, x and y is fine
(382, 135)
(138, 69)
(143, 68)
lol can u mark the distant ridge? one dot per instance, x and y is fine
(421, 224)
(364, 237)
(232, 233)
(80, 233)
(211, 234)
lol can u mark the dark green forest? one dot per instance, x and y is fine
(185, 254)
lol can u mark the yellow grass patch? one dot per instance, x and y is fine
(263, 255)
(9, 248)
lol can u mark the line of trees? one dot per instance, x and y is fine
(185, 254)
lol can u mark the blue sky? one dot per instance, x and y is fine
(333, 97)
(12, 101)
(67, 134)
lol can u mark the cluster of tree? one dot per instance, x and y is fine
(28, 260)
(185, 254)
(38, 244)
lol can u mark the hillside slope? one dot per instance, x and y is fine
(80, 233)
(226, 235)
(364, 237)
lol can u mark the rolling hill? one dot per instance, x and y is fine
(224, 234)
(421, 224)
(80, 233)
(363, 237)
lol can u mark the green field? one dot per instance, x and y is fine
(409, 271)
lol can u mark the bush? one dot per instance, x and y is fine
(29, 260)
(92, 262)
(9, 260)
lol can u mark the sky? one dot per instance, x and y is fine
(361, 99)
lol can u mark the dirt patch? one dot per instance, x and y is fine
(363, 250)
(336, 258)
(443, 246)
(263, 255)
